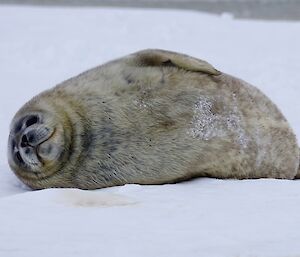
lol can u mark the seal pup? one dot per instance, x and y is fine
(152, 117)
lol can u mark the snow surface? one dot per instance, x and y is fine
(202, 217)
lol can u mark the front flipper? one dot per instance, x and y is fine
(155, 57)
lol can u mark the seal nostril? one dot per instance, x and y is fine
(32, 120)
(24, 141)
(30, 138)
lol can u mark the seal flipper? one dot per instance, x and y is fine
(156, 57)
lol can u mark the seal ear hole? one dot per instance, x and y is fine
(32, 120)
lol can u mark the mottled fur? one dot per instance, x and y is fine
(157, 117)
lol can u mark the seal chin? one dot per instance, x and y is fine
(35, 143)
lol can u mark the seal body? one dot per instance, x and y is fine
(152, 117)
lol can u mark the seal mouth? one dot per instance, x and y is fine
(38, 147)
(46, 148)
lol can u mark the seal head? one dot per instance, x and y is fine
(35, 144)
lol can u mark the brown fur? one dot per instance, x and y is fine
(157, 117)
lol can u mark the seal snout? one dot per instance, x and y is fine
(26, 137)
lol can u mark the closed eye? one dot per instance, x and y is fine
(31, 121)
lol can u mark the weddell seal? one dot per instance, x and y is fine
(152, 117)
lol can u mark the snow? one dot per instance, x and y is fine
(203, 217)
